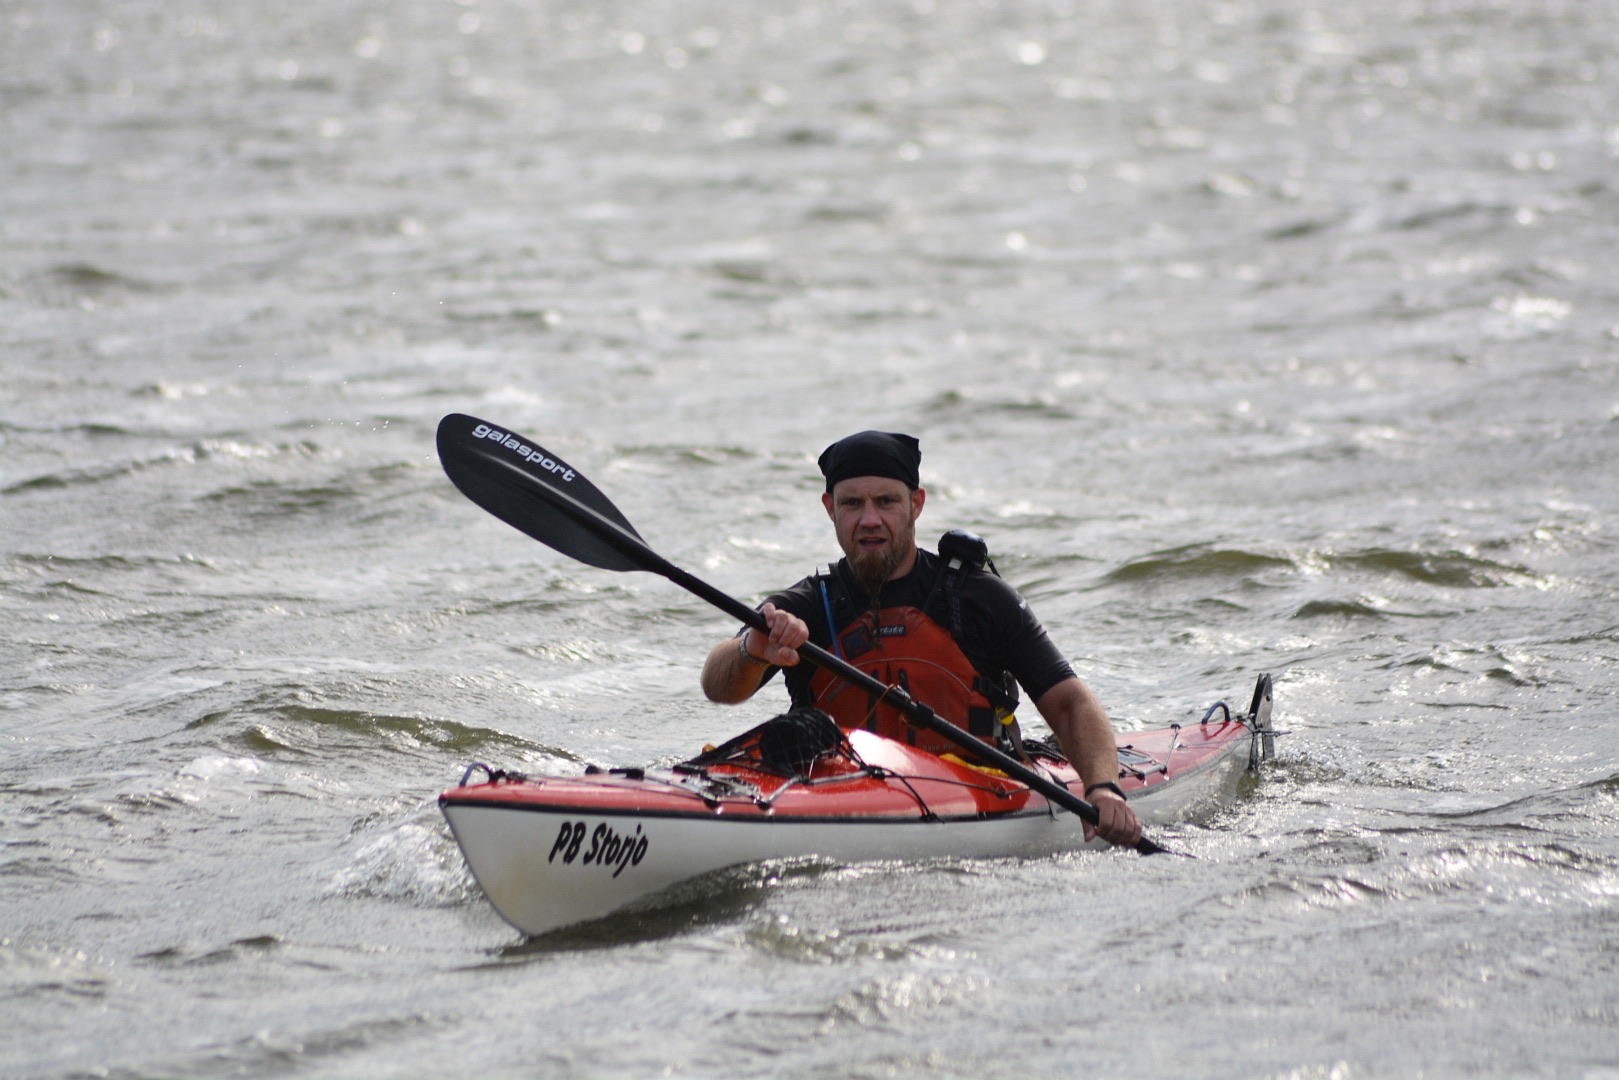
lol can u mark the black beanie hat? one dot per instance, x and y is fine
(872, 453)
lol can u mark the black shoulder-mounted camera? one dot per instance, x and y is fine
(969, 548)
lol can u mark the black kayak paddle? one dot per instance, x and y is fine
(538, 493)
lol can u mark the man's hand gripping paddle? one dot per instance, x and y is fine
(538, 493)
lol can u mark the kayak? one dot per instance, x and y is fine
(553, 851)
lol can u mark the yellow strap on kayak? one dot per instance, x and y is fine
(954, 760)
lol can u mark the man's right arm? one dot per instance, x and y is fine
(729, 677)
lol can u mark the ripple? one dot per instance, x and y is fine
(1364, 608)
(1451, 569)
(270, 1052)
(884, 1000)
(685, 455)
(99, 473)
(1447, 569)
(273, 499)
(955, 402)
(414, 861)
(114, 563)
(305, 729)
(783, 938)
(34, 971)
(1197, 561)
(76, 283)
(187, 956)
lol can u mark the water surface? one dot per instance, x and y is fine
(1254, 338)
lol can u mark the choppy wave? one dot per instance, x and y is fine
(681, 456)
(1363, 608)
(1451, 569)
(271, 1051)
(183, 956)
(414, 861)
(957, 402)
(37, 972)
(85, 284)
(311, 729)
(1445, 569)
(99, 473)
(884, 998)
(113, 564)
(196, 452)
(786, 939)
(1197, 561)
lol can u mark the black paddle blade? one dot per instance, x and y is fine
(518, 481)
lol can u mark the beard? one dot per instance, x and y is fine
(873, 568)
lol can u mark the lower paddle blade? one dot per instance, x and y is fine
(520, 482)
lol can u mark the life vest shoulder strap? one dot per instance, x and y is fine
(962, 553)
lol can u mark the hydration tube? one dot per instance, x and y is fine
(831, 628)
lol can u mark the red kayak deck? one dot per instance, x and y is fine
(879, 779)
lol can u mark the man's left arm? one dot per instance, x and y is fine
(1082, 729)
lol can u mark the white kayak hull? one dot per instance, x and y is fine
(551, 856)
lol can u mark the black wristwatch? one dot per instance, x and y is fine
(1110, 785)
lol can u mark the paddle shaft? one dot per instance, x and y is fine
(635, 549)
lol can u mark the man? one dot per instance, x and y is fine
(956, 636)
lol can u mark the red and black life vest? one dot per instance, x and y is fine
(907, 647)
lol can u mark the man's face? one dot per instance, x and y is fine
(875, 519)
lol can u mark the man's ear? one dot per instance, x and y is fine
(918, 497)
(826, 501)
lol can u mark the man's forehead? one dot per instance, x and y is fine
(862, 487)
